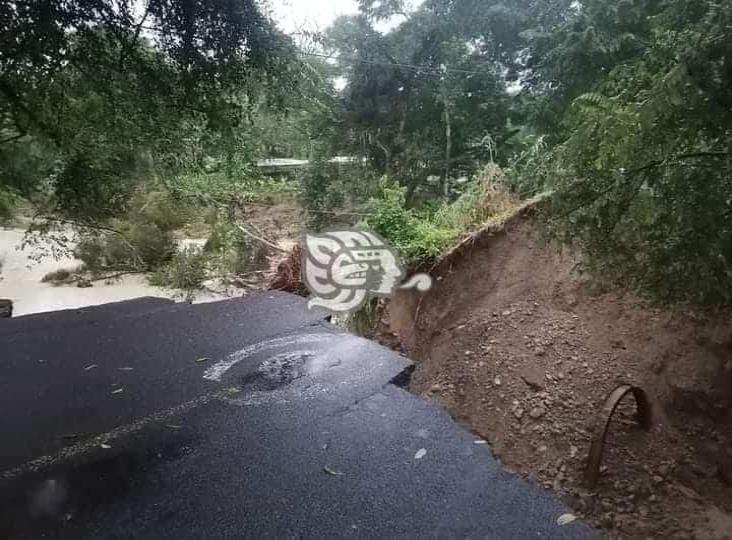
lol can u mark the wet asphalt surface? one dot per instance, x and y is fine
(242, 418)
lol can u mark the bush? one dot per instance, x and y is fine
(161, 209)
(416, 236)
(144, 239)
(187, 271)
(232, 252)
(327, 187)
(422, 236)
(140, 246)
(62, 275)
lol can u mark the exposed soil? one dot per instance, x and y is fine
(517, 345)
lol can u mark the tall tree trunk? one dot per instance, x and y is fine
(448, 148)
(387, 156)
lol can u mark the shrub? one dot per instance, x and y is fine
(233, 252)
(144, 238)
(187, 271)
(142, 246)
(90, 250)
(416, 236)
(422, 236)
(62, 275)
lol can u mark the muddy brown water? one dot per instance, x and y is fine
(20, 281)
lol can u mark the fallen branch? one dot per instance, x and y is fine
(118, 275)
(260, 239)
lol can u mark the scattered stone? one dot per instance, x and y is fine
(497, 381)
(539, 351)
(533, 376)
(537, 412)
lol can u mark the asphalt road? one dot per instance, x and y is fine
(243, 418)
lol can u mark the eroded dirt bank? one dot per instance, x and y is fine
(512, 341)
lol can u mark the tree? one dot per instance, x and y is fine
(95, 95)
(642, 172)
(419, 99)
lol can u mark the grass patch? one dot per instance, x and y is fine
(421, 236)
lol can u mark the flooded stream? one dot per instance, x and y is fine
(20, 281)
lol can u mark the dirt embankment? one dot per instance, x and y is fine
(513, 342)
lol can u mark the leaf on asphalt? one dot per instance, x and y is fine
(420, 453)
(202, 359)
(233, 390)
(126, 368)
(332, 472)
(90, 367)
(174, 426)
(118, 390)
(105, 446)
(566, 519)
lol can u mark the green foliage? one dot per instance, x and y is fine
(417, 237)
(92, 106)
(421, 236)
(363, 322)
(327, 187)
(642, 174)
(187, 271)
(8, 202)
(420, 99)
(62, 275)
(143, 240)
(134, 246)
(232, 252)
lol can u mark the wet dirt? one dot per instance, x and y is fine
(521, 348)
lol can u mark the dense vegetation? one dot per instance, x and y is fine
(621, 109)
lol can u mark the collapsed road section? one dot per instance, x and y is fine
(250, 417)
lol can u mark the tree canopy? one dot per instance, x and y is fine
(621, 109)
(95, 94)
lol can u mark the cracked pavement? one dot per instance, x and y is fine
(247, 418)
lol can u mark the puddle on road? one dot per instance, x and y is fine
(276, 372)
(284, 368)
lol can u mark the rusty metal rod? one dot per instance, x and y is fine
(644, 416)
